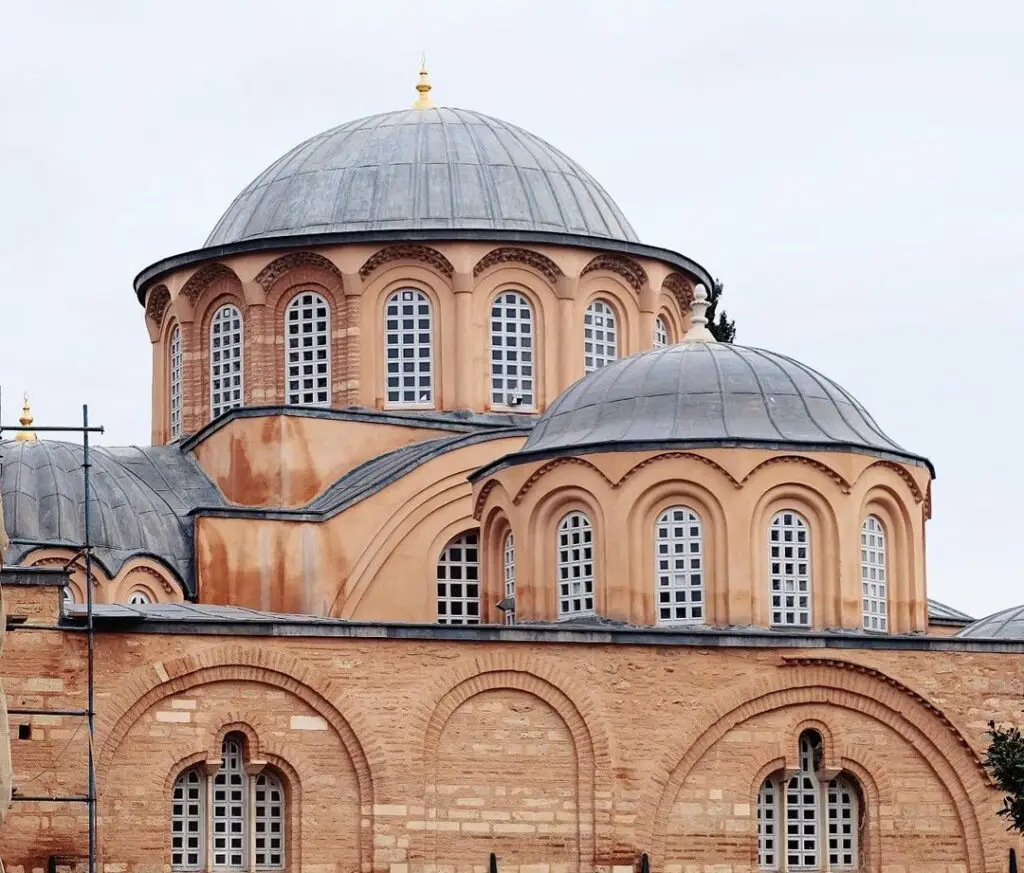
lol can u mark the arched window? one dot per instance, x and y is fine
(819, 816)
(458, 581)
(789, 557)
(679, 566)
(174, 392)
(409, 349)
(139, 597)
(660, 332)
(873, 577)
(575, 566)
(307, 335)
(600, 336)
(226, 384)
(231, 815)
(512, 351)
(510, 576)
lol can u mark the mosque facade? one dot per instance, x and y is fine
(460, 535)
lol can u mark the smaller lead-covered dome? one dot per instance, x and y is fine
(708, 393)
(1005, 625)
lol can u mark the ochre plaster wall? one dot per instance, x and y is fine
(140, 575)
(460, 278)
(736, 492)
(558, 756)
(285, 461)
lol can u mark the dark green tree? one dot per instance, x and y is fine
(719, 324)
(1005, 761)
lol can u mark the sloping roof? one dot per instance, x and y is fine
(1007, 624)
(942, 612)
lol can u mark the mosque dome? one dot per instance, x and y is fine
(1008, 624)
(708, 394)
(422, 169)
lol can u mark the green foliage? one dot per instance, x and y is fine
(719, 324)
(1005, 761)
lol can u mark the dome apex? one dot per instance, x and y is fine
(422, 169)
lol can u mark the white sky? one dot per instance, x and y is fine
(851, 170)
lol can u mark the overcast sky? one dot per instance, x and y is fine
(851, 170)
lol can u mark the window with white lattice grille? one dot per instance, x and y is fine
(307, 328)
(575, 562)
(409, 349)
(803, 827)
(510, 575)
(679, 566)
(229, 810)
(268, 821)
(789, 563)
(600, 336)
(226, 376)
(175, 369)
(660, 332)
(874, 579)
(512, 350)
(458, 581)
(842, 824)
(767, 827)
(188, 831)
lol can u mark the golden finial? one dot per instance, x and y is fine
(423, 86)
(25, 436)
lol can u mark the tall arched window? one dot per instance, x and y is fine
(512, 351)
(679, 566)
(409, 349)
(307, 336)
(233, 816)
(510, 576)
(226, 383)
(819, 816)
(660, 332)
(789, 569)
(458, 581)
(873, 577)
(600, 336)
(575, 566)
(175, 373)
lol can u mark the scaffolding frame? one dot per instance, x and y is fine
(83, 550)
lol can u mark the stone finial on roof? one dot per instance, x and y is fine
(25, 436)
(423, 86)
(698, 332)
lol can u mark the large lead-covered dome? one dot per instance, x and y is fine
(422, 169)
(707, 393)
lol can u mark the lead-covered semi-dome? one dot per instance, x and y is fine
(1007, 624)
(422, 169)
(708, 394)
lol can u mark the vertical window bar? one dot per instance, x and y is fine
(802, 811)
(175, 380)
(307, 327)
(230, 816)
(510, 575)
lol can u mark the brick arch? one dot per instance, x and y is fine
(915, 489)
(425, 254)
(305, 262)
(681, 289)
(158, 299)
(836, 477)
(668, 456)
(541, 263)
(564, 694)
(923, 727)
(627, 268)
(544, 469)
(204, 277)
(148, 685)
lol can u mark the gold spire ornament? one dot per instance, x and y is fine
(423, 86)
(25, 436)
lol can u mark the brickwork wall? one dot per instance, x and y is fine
(396, 754)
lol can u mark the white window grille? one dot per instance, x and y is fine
(802, 811)
(188, 831)
(137, 598)
(409, 349)
(512, 364)
(230, 815)
(575, 566)
(679, 566)
(842, 824)
(510, 575)
(307, 325)
(789, 556)
(458, 581)
(600, 336)
(226, 377)
(660, 332)
(268, 822)
(767, 827)
(873, 576)
(175, 382)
